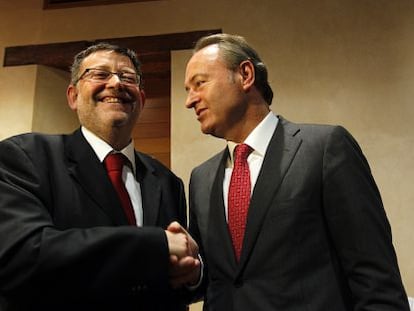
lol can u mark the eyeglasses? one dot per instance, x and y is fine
(102, 75)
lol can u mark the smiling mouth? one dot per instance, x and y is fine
(114, 100)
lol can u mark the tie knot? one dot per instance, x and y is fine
(241, 152)
(115, 161)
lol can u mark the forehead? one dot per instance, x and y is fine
(107, 58)
(204, 61)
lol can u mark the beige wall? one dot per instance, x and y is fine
(17, 89)
(346, 62)
(51, 113)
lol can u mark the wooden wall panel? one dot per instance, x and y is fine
(153, 145)
(157, 87)
(150, 115)
(61, 4)
(60, 55)
(152, 132)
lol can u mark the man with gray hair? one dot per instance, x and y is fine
(84, 217)
(287, 216)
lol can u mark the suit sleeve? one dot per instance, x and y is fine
(359, 229)
(198, 293)
(36, 257)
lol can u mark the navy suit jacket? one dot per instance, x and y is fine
(317, 236)
(64, 239)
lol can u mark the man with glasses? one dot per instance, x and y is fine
(73, 236)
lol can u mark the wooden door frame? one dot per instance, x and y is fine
(60, 55)
(63, 4)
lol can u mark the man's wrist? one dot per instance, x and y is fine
(195, 285)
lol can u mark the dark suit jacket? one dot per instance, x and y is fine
(317, 237)
(64, 239)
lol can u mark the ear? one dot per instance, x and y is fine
(72, 96)
(142, 95)
(247, 74)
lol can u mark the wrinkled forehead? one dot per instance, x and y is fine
(109, 59)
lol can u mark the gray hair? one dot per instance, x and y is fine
(234, 50)
(102, 46)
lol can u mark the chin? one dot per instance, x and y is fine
(206, 129)
(209, 131)
(121, 121)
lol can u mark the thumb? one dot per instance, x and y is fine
(175, 227)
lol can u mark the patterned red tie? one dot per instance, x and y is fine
(239, 197)
(114, 163)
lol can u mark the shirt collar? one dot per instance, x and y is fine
(102, 148)
(259, 138)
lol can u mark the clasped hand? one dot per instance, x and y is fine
(184, 262)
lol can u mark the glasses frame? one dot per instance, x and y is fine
(110, 74)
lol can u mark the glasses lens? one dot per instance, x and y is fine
(101, 76)
(128, 77)
(98, 75)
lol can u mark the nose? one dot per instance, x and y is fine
(114, 80)
(192, 99)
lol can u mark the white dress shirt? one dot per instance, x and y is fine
(258, 140)
(102, 149)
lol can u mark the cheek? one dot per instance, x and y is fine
(137, 98)
(85, 110)
(89, 91)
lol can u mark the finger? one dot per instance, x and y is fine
(191, 277)
(183, 266)
(177, 244)
(173, 259)
(192, 247)
(175, 227)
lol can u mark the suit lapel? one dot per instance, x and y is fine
(150, 190)
(280, 153)
(88, 171)
(219, 242)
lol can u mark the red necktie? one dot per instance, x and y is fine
(239, 197)
(114, 163)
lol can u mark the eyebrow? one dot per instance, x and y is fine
(197, 75)
(107, 67)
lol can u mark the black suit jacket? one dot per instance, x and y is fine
(64, 239)
(317, 237)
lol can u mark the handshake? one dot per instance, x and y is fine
(185, 266)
